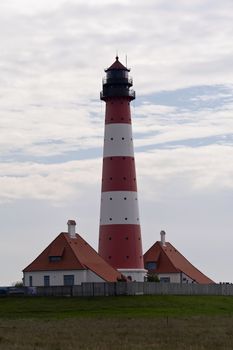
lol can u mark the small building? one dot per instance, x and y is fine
(165, 261)
(68, 260)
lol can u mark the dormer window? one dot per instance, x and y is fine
(151, 265)
(56, 253)
(54, 258)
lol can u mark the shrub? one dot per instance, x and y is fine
(152, 277)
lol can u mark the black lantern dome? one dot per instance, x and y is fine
(117, 82)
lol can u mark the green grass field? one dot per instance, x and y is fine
(142, 322)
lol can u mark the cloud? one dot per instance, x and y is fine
(177, 126)
(178, 150)
(40, 131)
(185, 171)
(53, 182)
(178, 45)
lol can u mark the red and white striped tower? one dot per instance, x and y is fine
(120, 234)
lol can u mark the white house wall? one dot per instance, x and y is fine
(57, 277)
(92, 277)
(186, 279)
(138, 275)
(174, 277)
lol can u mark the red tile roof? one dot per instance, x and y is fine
(76, 254)
(170, 260)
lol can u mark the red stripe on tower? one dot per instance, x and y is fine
(120, 233)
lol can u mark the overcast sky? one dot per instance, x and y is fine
(52, 59)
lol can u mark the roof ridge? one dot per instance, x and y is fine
(161, 246)
(86, 263)
(66, 237)
(42, 252)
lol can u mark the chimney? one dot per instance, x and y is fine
(162, 234)
(71, 228)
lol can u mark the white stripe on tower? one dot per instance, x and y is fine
(119, 208)
(118, 140)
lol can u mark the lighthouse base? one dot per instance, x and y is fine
(137, 275)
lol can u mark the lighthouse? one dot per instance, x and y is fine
(120, 242)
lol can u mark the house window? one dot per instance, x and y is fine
(68, 280)
(30, 281)
(46, 281)
(54, 258)
(151, 265)
(165, 279)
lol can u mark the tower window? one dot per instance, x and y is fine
(111, 138)
(109, 238)
(125, 198)
(110, 219)
(126, 218)
(122, 138)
